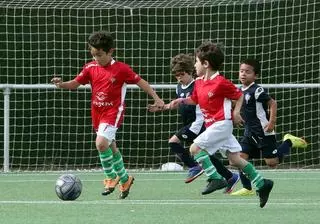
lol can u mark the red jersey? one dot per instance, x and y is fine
(108, 86)
(214, 98)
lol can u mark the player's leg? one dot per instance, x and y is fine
(232, 178)
(125, 180)
(215, 180)
(263, 186)
(212, 139)
(296, 142)
(176, 143)
(246, 189)
(104, 137)
(249, 149)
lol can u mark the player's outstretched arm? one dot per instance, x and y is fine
(72, 84)
(144, 85)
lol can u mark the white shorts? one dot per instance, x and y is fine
(218, 136)
(108, 131)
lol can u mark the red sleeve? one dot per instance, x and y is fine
(194, 95)
(130, 76)
(84, 76)
(230, 90)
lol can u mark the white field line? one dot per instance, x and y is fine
(273, 202)
(99, 172)
(149, 179)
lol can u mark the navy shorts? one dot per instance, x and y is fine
(259, 147)
(185, 135)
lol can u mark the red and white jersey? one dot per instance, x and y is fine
(214, 97)
(108, 86)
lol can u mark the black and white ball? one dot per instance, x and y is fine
(68, 187)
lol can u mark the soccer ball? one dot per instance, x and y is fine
(68, 187)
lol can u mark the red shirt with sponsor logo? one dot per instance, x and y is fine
(108, 86)
(214, 98)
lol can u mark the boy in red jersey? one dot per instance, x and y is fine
(108, 79)
(214, 94)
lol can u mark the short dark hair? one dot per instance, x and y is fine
(182, 63)
(212, 53)
(101, 40)
(252, 62)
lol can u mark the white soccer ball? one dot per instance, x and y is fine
(68, 187)
(171, 167)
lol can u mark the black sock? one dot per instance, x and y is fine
(283, 149)
(221, 169)
(182, 154)
(246, 183)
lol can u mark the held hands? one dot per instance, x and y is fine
(157, 106)
(172, 105)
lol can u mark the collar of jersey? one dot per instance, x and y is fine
(243, 89)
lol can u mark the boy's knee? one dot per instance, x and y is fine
(272, 162)
(194, 149)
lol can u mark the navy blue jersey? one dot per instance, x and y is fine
(254, 110)
(188, 112)
(191, 115)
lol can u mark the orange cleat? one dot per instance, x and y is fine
(109, 185)
(124, 188)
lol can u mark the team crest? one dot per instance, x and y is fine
(210, 94)
(100, 96)
(247, 98)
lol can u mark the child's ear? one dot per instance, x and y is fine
(206, 64)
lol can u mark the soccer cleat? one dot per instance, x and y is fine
(109, 185)
(264, 192)
(193, 173)
(296, 141)
(213, 185)
(232, 183)
(243, 192)
(124, 188)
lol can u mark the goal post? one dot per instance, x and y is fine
(49, 129)
(49, 133)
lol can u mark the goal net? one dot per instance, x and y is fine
(50, 129)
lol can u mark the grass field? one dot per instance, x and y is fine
(158, 198)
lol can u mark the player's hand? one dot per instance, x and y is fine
(175, 103)
(157, 106)
(269, 127)
(237, 119)
(154, 108)
(56, 81)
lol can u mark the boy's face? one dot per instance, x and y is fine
(247, 74)
(200, 68)
(100, 56)
(183, 77)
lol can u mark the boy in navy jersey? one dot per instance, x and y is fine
(259, 112)
(182, 66)
(108, 79)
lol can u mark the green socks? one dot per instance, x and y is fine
(118, 167)
(106, 159)
(203, 159)
(253, 175)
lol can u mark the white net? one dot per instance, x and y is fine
(51, 129)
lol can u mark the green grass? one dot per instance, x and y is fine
(158, 198)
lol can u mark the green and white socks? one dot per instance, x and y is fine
(203, 158)
(113, 166)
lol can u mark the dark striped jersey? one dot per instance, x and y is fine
(254, 110)
(190, 114)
